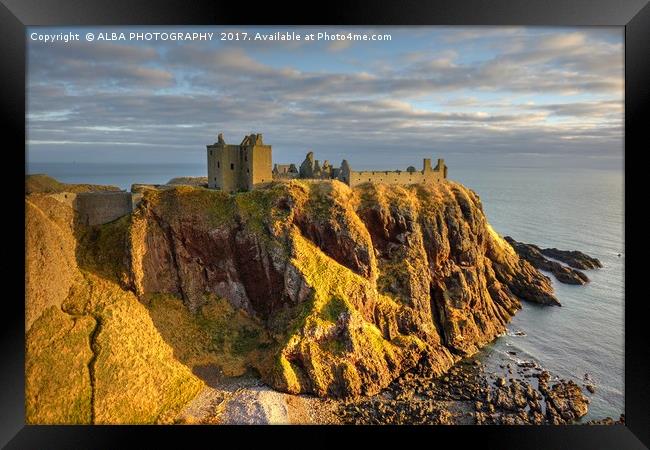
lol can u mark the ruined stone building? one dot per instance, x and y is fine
(242, 167)
(408, 176)
(312, 169)
(286, 171)
(239, 167)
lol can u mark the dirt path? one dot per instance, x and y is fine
(246, 401)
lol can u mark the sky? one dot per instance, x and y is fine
(472, 95)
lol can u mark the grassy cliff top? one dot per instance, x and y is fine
(191, 181)
(42, 183)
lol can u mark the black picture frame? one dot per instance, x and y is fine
(15, 15)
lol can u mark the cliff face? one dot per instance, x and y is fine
(321, 288)
(93, 354)
(349, 287)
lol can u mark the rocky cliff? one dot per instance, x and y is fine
(351, 287)
(320, 288)
(93, 353)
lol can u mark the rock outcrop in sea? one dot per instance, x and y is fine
(569, 273)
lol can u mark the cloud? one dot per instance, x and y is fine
(84, 66)
(526, 91)
(595, 110)
(337, 46)
(229, 60)
(96, 51)
(456, 35)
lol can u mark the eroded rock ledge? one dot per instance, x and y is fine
(564, 274)
(573, 258)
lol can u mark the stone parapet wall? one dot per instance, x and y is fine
(395, 177)
(286, 176)
(97, 208)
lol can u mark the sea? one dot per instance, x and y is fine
(568, 208)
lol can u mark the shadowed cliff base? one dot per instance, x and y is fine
(319, 288)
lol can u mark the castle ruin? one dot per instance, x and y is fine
(287, 171)
(312, 169)
(240, 167)
(409, 176)
(245, 166)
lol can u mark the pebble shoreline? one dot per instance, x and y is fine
(468, 395)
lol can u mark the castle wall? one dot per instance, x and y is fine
(230, 168)
(212, 169)
(214, 175)
(95, 208)
(286, 175)
(424, 176)
(224, 167)
(394, 177)
(284, 172)
(67, 198)
(260, 164)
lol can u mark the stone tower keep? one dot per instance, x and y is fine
(233, 168)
